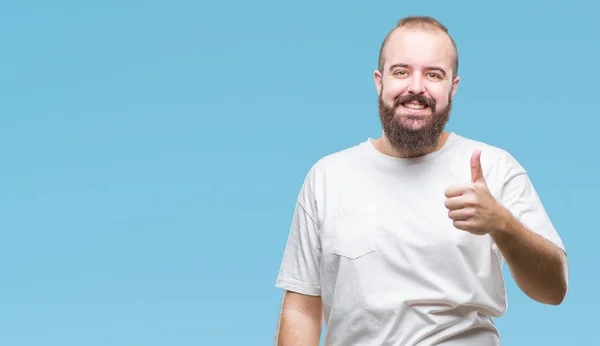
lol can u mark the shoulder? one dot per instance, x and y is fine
(322, 176)
(492, 156)
(498, 164)
(339, 161)
(331, 166)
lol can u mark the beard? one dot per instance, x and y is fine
(414, 141)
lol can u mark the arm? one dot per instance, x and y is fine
(300, 320)
(519, 226)
(538, 266)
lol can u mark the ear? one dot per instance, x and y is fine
(454, 86)
(377, 79)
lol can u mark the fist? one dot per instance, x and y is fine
(471, 207)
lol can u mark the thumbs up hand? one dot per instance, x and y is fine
(471, 206)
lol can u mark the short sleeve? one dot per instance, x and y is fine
(300, 266)
(521, 199)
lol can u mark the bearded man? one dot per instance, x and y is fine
(401, 240)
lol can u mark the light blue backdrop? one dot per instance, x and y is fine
(151, 153)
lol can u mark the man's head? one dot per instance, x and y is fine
(416, 82)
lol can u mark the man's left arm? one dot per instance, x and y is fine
(538, 266)
(520, 228)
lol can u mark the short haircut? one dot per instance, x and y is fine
(421, 23)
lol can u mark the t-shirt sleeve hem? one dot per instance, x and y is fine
(554, 241)
(292, 285)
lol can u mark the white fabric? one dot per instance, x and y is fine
(372, 237)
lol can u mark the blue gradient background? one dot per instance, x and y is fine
(152, 152)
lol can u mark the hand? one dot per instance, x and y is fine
(471, 206)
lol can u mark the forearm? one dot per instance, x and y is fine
(538, 267)
(300, 321)
(298, 329)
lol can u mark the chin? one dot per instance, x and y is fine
(412, 122)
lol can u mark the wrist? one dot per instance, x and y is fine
(503, 222)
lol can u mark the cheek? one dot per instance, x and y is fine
(441, 96)
(391, 90)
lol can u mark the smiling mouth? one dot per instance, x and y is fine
(415, 105)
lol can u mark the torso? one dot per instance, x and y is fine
(394, 269)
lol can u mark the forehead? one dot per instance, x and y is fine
(419, 47)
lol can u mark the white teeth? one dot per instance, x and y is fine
(414, 106)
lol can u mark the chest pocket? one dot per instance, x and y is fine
(354, 233)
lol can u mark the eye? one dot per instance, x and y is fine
(400, 73)
(433, 75)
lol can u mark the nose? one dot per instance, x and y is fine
(416, 84)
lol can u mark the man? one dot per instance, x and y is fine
(401, 240)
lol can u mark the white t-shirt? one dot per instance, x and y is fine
(371, 235)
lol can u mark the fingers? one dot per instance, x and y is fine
(469, 226)
(462, 225)
(462, 214)
(457, 190)
(454, 203)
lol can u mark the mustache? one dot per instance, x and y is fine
(412, 97)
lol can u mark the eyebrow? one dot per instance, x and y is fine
(435, 68)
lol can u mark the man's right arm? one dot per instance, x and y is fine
(300, 320)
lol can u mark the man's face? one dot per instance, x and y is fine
(416, 89)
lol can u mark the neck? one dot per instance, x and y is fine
(385, 147)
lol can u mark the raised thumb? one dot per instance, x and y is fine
(476, 170)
